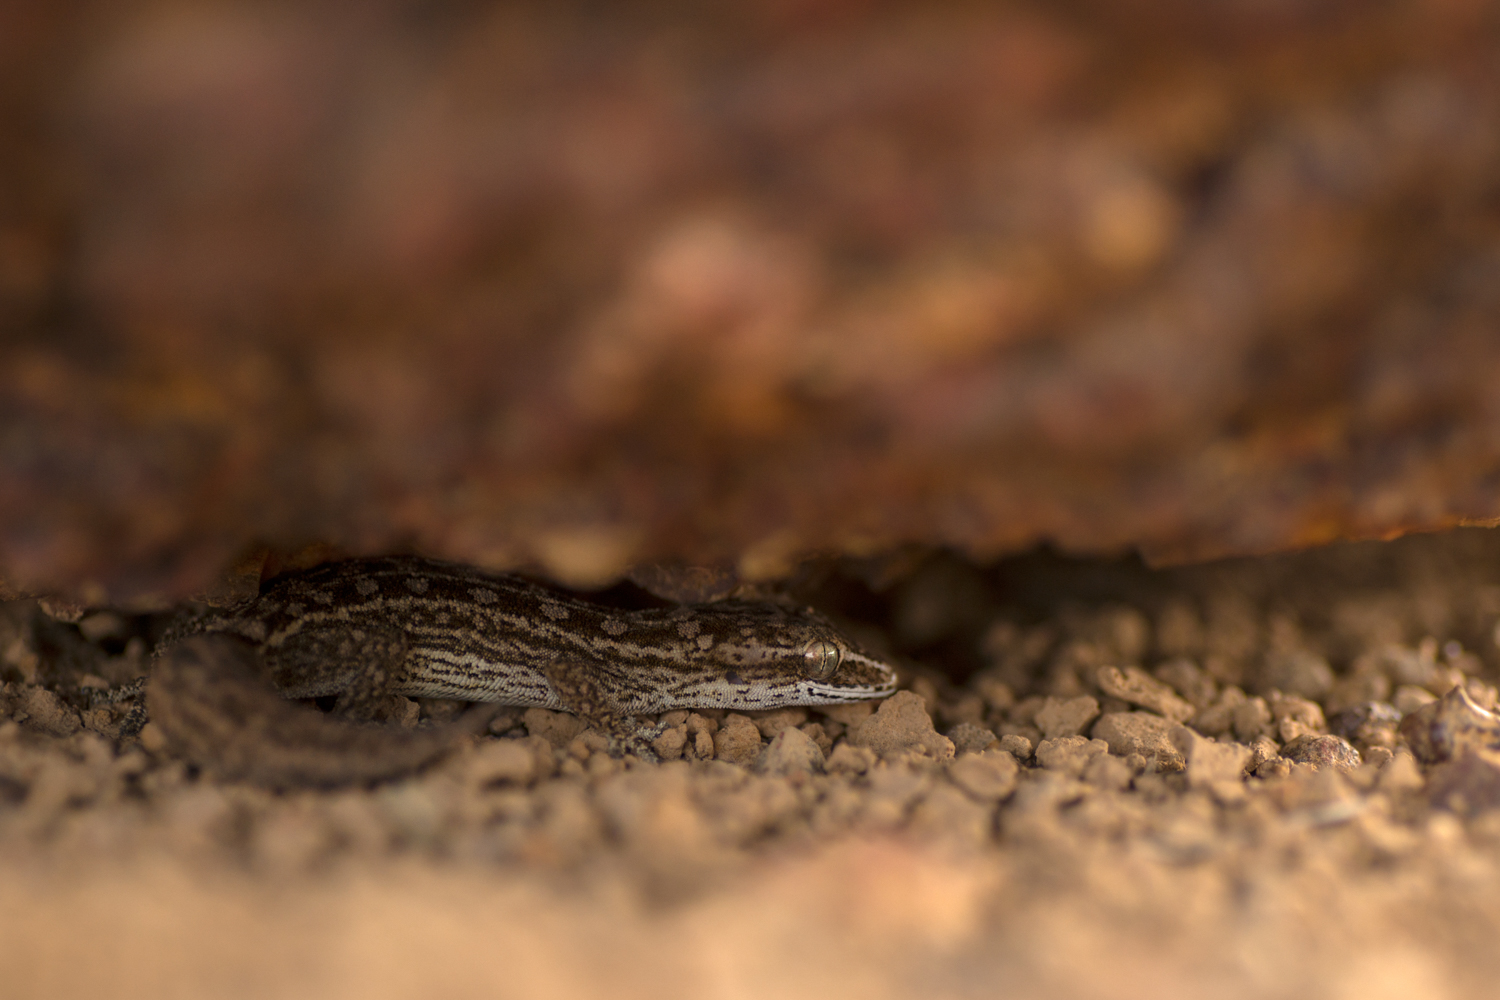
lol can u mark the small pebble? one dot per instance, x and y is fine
(849, 759)
(1294, 716)
(970, 738)
(1137, 687)
(1321, 750)
(791, 752)
(902, 725)
(557, 728)
(497, 762)
(772, 722)
(1066, 716)
(989, 775)
(737, 741)
(1018, 747)
(1129, 733)
(1069, 754)
(1210, 763)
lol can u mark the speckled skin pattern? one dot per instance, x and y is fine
(364, 629)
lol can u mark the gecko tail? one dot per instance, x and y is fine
(209, 698)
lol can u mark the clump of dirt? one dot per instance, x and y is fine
(1259, 777)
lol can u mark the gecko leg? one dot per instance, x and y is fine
(362, 666)
(584, 689)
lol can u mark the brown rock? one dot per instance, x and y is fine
(1469, 783)
(848, 759)
(1295, 716)
(1189, 680)
(1406, 666)
(1367, 725)
(1137, 687)
(43, 710)
(501, 762)
(1321, 751)
(1210, 763)
(1273, 767)
(969, 738)
(1262, 749)
(1444, 728)
(1376, 756)
(1069, 754)
(700, 737)
(153, 739)
(964, 707)
(988, 776)
(738, 740)
(851, 714)
(1018, 747)
(902, 725)
(670, 742)
(772, 722)
(1218, 717)
(1252, 720)
(1023, 712)
(1129, 733)
(651, 812)
(557, 728)
(815, 732)
(1066, 716)
(589, 744)
(791, 752)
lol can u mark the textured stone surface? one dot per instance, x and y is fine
(1209, 763)
(1142, 733)
(737, 741)
(1066, 716)
(1447, 727)
(1469, 783)
(901, 725)
(1139, 688)
(969, 738)
(1321, 751)
(731, 287)
(791, 752)
(1069, 754)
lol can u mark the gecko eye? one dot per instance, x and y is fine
(821, 659)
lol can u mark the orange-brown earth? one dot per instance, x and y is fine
(589, 290)
(1245, 779)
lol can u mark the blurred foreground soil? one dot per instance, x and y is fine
(1100, 781)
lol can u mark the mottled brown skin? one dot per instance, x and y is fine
(362, 630)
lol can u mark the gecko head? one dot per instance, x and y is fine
(798, 654)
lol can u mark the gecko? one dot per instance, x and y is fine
(360, 630)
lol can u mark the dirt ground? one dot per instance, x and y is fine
(1100, 780)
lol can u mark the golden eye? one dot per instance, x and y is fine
(821, 659)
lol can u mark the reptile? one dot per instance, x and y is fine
(358, 631)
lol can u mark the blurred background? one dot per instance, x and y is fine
(578, 286)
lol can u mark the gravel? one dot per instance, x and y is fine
(1245, 839)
